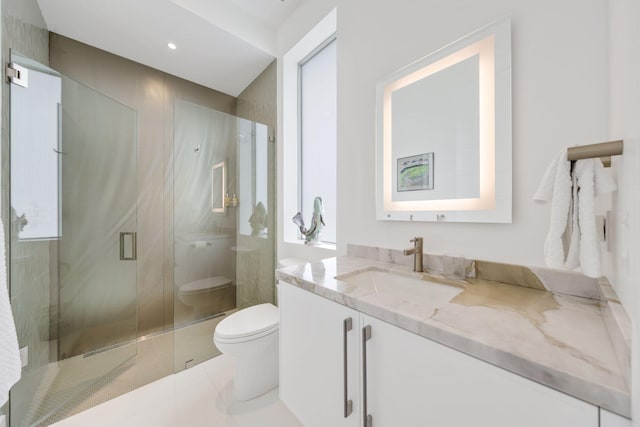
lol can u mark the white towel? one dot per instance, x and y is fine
(573, 220)
(593, 181)
(10, 365)
(555, 187)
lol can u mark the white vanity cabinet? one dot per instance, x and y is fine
(412, 381)
(312, 359)
(608, 419)
(399, 378)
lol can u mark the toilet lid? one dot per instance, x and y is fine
(205, 284)
(249, 321)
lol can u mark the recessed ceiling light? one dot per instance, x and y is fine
(172, 46)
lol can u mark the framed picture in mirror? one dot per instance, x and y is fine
(415, 172)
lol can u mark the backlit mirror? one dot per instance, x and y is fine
(218, 187)
(444, 133)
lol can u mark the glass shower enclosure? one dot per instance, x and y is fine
(224, 239)
(72, 228)
(72, 221)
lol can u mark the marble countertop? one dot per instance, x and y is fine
(558, 340)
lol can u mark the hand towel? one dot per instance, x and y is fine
(592, 181)
(555, 187)
(10, 365)
(572, 232)
(572, 197)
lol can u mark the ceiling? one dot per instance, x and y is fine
(221, 44)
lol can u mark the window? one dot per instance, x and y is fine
(317, 134)
(308, 149)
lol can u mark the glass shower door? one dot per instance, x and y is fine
(97, 249)
(73, 246)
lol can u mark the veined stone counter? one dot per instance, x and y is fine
(559, 340)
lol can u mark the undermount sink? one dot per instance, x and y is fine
(401, 285)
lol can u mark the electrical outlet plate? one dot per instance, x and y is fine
(24, 355)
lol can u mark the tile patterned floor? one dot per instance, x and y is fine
(54, 391)
(200, 396)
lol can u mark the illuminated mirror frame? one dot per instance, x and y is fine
(492, 45)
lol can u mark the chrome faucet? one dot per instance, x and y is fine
(416, 251)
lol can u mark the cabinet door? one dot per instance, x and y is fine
(413, 381)
(609, 419)
(312, 358)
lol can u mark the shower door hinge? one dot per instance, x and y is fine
(18, 74)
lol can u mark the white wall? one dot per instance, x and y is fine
(559, 99)
(623, 269)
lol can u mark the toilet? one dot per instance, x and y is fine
(250, 336)
(208, 296)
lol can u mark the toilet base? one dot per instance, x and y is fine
(255, 375)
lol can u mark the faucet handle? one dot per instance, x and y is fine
(416, 240)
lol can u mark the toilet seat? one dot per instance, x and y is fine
(248, 324)
(204, 285)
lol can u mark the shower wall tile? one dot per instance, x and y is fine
(258, 101)
(152, 94)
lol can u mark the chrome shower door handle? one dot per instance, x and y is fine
(367, 419)
(133, 252)
(347, 325)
